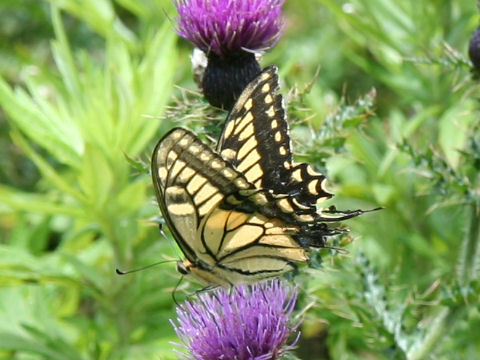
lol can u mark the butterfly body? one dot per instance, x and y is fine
(245, 211)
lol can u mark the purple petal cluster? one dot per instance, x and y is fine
(229, 26)
(244, 323)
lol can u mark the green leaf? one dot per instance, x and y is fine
(89, 273)
(47, 171)
(154, 84)
(98, 14)
(453, 134)
(37, 203)
(96, 179)
(57, 135)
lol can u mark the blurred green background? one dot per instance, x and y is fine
(392, 119)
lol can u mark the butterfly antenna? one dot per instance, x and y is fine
(121, 272)
(175, 290)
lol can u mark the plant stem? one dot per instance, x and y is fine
(475, 228)
(468, 265)
(439, 327)
(468, 268)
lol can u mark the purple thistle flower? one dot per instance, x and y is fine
(228, 32)
(229, 26)
(242, 323)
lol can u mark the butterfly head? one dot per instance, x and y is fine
(202, 273)
(183, 267)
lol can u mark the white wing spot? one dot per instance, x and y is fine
(162, 173)
(175, 135)
(265, 76)
(216, 164)
(271, 111)
(205, 156)
(228, 173)
(194, 149)
(248, 104)
(241, 183)
(278, 136)
(184, 142)
(228, 154)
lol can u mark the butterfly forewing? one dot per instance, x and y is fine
(255, 136)
(256, 141)
(203, 199)
(190, 181)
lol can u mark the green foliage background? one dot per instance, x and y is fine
(83, 92)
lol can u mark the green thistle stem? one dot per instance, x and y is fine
(441, 325)
(468, 265)
(468, 269)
